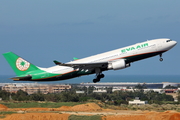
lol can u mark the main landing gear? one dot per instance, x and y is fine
(161, 59)
(99, 75)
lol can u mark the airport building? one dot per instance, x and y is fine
(136, 101)
(34, 88)
(31, 88)
(123, 85)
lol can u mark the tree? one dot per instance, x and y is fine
(37, 96)
(170, 87)
(52, 97)
(90, 89)
(109, 89)
(178, 97)
(20, 96)
(139, 86)
(4, 95)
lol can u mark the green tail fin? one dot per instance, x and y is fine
(20, 66)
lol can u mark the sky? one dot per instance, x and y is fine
(41, 31)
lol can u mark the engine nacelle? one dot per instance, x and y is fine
(120, 64)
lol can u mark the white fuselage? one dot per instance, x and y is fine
(145, 49)
(113, 60)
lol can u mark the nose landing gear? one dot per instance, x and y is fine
(160, 59)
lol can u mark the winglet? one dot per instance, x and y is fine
(57, 62)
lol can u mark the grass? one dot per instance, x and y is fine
(31, 104)
(80, 117)
(151, 107)
(4, 113)
(37, 104)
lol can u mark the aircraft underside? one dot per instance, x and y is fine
(97, 71)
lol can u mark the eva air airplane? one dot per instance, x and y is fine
(96, 64)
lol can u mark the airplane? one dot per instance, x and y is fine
(113, 60)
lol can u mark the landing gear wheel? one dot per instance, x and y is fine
(96, 80)
(161, 59)
(102, 76)
(99, 75)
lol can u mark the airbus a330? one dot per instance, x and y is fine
(113, 60)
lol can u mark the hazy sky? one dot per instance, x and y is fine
(41, 31)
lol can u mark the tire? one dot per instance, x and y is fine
(102, 75)
(94, 80)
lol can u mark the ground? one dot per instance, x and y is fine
(89, 109)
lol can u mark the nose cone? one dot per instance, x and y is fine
(174, 43)
(171, 44)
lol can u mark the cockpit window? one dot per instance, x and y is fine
(168, 40)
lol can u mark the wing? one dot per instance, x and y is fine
(83, 65)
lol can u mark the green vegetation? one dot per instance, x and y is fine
(140, 86)
(79, 117)
(4, 113)
(170, 87)
(178, 97)
(37, 104)
(53, 100)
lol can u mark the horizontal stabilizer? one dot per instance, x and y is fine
(57, 62)
(74, 58)
(22, 78)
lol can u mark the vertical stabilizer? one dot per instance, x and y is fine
(19, 65)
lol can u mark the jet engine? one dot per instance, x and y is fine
(120, 64)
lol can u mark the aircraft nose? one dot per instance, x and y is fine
(174, 43)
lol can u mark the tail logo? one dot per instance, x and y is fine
(22, 64)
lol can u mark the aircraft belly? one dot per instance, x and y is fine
(65, 76)
(142, 56)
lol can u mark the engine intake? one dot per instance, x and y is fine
(120, 64)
